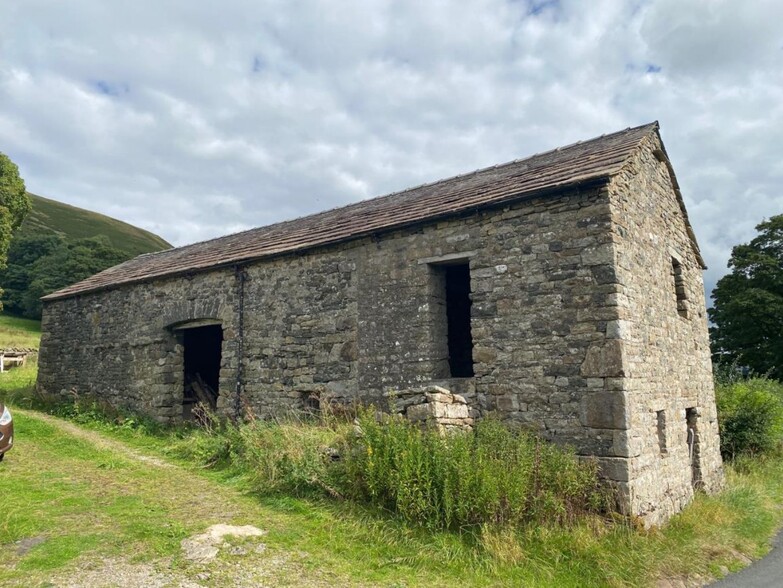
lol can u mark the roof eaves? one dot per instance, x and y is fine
(583, 182)
(664, 157)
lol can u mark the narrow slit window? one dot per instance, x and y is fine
(679, 288)
(661, 425)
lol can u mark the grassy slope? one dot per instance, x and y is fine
(19, 332)
(75, 223)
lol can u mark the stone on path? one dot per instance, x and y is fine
(205, 547)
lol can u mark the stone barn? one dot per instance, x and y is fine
(562, 292)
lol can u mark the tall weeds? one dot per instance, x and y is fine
(493, 475)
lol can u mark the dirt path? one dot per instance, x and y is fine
(98, 440)
(206, 534)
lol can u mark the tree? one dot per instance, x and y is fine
(14, 205)
(65, 265)
(748, 303)
(25, 250)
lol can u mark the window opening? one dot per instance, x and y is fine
(661, 417)
(458, 305)
(679, 288)
(203, 347)
(311, 402)
(452, 291)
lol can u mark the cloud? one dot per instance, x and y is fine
(194, 120)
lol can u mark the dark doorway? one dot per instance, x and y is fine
(458, 305)
(203, 347)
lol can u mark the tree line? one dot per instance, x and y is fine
(747, 310)
(43, 263)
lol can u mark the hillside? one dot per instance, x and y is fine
(50, 216)
(58, 245)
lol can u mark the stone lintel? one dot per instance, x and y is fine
(450, 257)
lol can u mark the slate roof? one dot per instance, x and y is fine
(596, 159)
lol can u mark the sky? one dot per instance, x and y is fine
(198, 119)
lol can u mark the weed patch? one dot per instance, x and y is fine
(491, 476)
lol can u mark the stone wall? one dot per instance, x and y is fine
(354, 320)
(540, 293)
(118, 344)
(662, 330)
(432, 406)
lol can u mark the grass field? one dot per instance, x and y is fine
(49, 216)
(19, 332)
(111, 495)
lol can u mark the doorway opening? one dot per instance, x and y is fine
(692, 421)
(203, 346)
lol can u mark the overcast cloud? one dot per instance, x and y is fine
(196, 119)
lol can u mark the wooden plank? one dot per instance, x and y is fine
(204, 393)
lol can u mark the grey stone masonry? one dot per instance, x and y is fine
(432, 406)
(581, 314)
(668, 444)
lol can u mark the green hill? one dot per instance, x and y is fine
(70, 222)
(58, 245)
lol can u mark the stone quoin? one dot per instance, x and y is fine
(562, 292)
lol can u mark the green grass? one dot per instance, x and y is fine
(50, 216)
(19, 332)
(83, 500)
(93, 501)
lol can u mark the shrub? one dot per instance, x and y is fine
(275, 457)
(493, 475)
(750, 414)
(287, 457)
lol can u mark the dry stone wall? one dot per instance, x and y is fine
(432, 406)
(664, 346)
(118, 345)
(540, 285)
(357, 319)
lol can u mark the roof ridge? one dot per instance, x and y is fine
(507, 163)
(593, 159)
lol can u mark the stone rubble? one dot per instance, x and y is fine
(432, 406)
